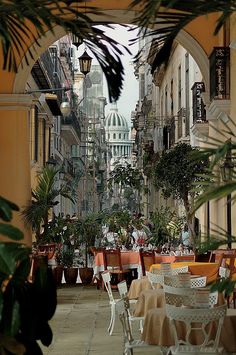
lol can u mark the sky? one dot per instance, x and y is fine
(129, 95)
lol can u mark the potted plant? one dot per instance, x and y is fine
(70, 270)
(43, 199)
(88, 229)
(25, 306)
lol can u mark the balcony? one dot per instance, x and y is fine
(71, 130)
(220, 73)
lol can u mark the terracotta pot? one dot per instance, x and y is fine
(71, 275)
(57, 273)
(86, 275)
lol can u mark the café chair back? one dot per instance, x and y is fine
(112, 263)
(179, 296)
(155, 279)
(123, 291)
(106, 277)
(129, 342)
(196, 321)
(218, 255)
(147, 258)
(179, 270)
(198, 282)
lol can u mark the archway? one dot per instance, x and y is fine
(15, 106)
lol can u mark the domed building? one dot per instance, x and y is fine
(117, 136)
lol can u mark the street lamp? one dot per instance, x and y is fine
(64, 106)
(85, 62)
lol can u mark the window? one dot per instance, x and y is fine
(114, 136)
(187, 125)
(179, 87)
(119, 135)
(36, 133)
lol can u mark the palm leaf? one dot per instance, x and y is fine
(176, 16)
(24, 20)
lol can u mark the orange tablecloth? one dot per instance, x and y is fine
(137, 286)
(149, 299)
(130, 260)
(210, 270)
(157, 329)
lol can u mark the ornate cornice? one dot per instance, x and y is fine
(15, 102)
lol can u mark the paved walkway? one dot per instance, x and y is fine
(80, 324)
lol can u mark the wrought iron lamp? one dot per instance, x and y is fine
(85, 62)
(65, 107)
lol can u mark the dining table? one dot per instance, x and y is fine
(157, 329)
(130, 260)
(210, 270)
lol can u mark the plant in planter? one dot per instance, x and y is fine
(25, 307)
(88, 228)
(44, 198)
(70, 271)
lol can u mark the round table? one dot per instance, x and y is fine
(210, 270)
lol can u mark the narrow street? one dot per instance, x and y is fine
(80, 325)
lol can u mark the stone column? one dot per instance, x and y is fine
(15, 183)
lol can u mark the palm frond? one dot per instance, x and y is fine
(22, 21)
(172, 16)
(214, 193)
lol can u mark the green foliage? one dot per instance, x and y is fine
(25, 307)
(44, 196)
(67, 257)
(22, 21)
(125, 175)
(160, 221)
(221, 152)
(176, 171)
(87, 229)
(165, 24)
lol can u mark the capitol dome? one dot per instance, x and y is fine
(115, 121)
(117, 133)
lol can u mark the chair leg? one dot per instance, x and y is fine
(112, 322)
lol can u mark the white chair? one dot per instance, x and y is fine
(107, 283)
(155, 279)
(224, 272)
(198, 282)
(179, 270)
(129, 342)
(196, 320)
(123, 291)
(179, 295)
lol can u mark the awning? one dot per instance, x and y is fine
(53, 104)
